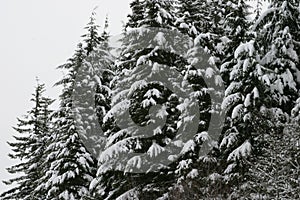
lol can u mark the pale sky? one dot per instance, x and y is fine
(36, 36)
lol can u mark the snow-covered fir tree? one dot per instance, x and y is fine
(91, 38)
(235, 25)
(279, 31)
(219, 30)
(246, 100)
(137, 14)
(107, 75)
(141, 85)
(199, 160)
(68, 167)
(29, 148)
(92, 93)
(275, 76)
(76, 136)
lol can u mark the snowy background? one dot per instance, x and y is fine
(35, 37)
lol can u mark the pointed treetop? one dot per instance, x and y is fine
(91, 38)
(105, 33)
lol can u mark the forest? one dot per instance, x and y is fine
(200, 101)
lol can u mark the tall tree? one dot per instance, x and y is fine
(91, 38)
(246, 102)
(29, 148)
(93, 91)
(137, 14)
(146, 63)
(69, 167)
(262, 83)
(71, 161)
(235, 27)
(193, 17)
(279, 31)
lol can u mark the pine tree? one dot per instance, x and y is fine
(235, 31)
(68, 167)
(278, 32)
(29, 148)
(246, 103)
(77, 139)
(140, 86)
(91, 38)
(137, 14)
(250, 130)
(193, 17)
(219, 27)
(92, 93)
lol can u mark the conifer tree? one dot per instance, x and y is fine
(91, 38)
(29, 148)
(104, 90)
(246, 103)
(68, 167)
(140, 68)
(193, 17)
(92, 93)
(279, 32)
(137, 14)
(71, 160)
(274, 75)
(235, 26)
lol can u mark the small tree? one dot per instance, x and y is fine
(29, 148)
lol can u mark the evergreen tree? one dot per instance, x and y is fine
(245, 98)
(235, 31)
(92, 93)
(68, 167)
(91, 38)
(219, 28)
(29, 148)
(193, 17)
(268, 87)
(140, 86)
(76, 141)
(278, 32)
(137, 14)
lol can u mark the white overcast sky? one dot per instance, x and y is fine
(35, 37)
